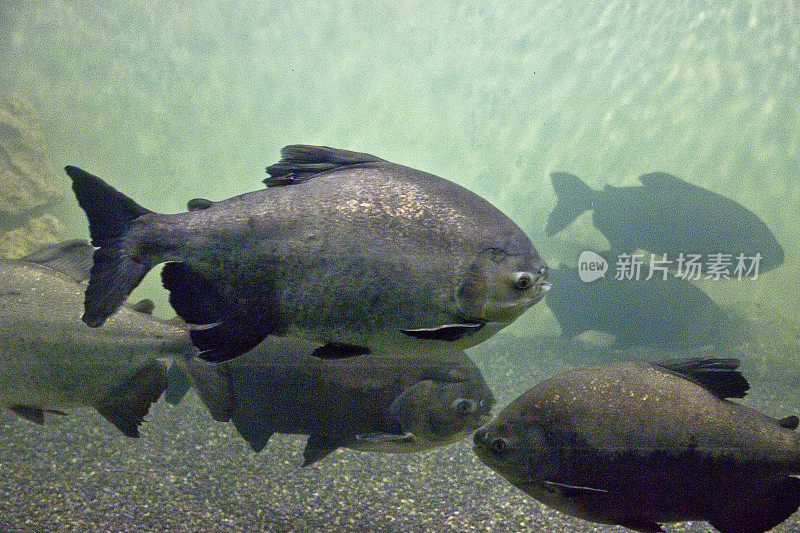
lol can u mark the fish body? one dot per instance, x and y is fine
(638, 444)
(344, 249)
(669, 313)
(666, 215)
(51, 361)
(367, 403)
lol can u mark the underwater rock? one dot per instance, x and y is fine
(28, 188)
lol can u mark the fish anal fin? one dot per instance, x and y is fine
(300, 162)
(447, 332)
(336, 350)
(228, 339)
(255, 431)
(319, 447)
(719, 376)
(34, 414)
(127, 406)
(71, 258)
(761, 512)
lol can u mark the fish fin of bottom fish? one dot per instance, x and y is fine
(34, 414)
(127, 406)
(447, 332)
(789, 422)
(719, 376)
(319, 447)
(377, 437)
(571, 491)
(256, 432)
(178, 384)
(643, 526)
(212, 384)
(337, 350)
(759, 513)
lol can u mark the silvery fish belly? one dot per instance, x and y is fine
(51, 361)
(344, 249)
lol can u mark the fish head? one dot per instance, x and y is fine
(501, 284)
(516, 449)
(440, 412)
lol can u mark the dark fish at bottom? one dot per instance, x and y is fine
(638, 444)
(366, 403)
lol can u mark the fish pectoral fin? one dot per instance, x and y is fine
(127, 406)
(71, 258)
(337, 350)
(318, 447)
(790, 422)
(718, 376)
(300, 162)
(571, 491)
(644, 526)
(447, 332)
(378, 437)
(34, 414)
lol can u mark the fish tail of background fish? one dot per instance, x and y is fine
(573, 197)
(115, 272)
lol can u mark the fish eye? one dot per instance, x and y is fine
(523, 280)
(499, 446)
(462, 405)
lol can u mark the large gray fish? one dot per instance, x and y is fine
(666, 216)
(342, 248)
(366, 403)
(671, 313)
(50, 361)
(637, 444)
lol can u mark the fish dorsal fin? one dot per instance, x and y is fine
(126, 406)
(300, 162)
(71, 258)
(663, 180)
(719, 376)
(198, 204)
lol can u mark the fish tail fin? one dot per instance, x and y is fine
(573, 197)
(116, 270)
(762, 512)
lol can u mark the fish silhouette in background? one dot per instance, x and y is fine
(666, 215)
